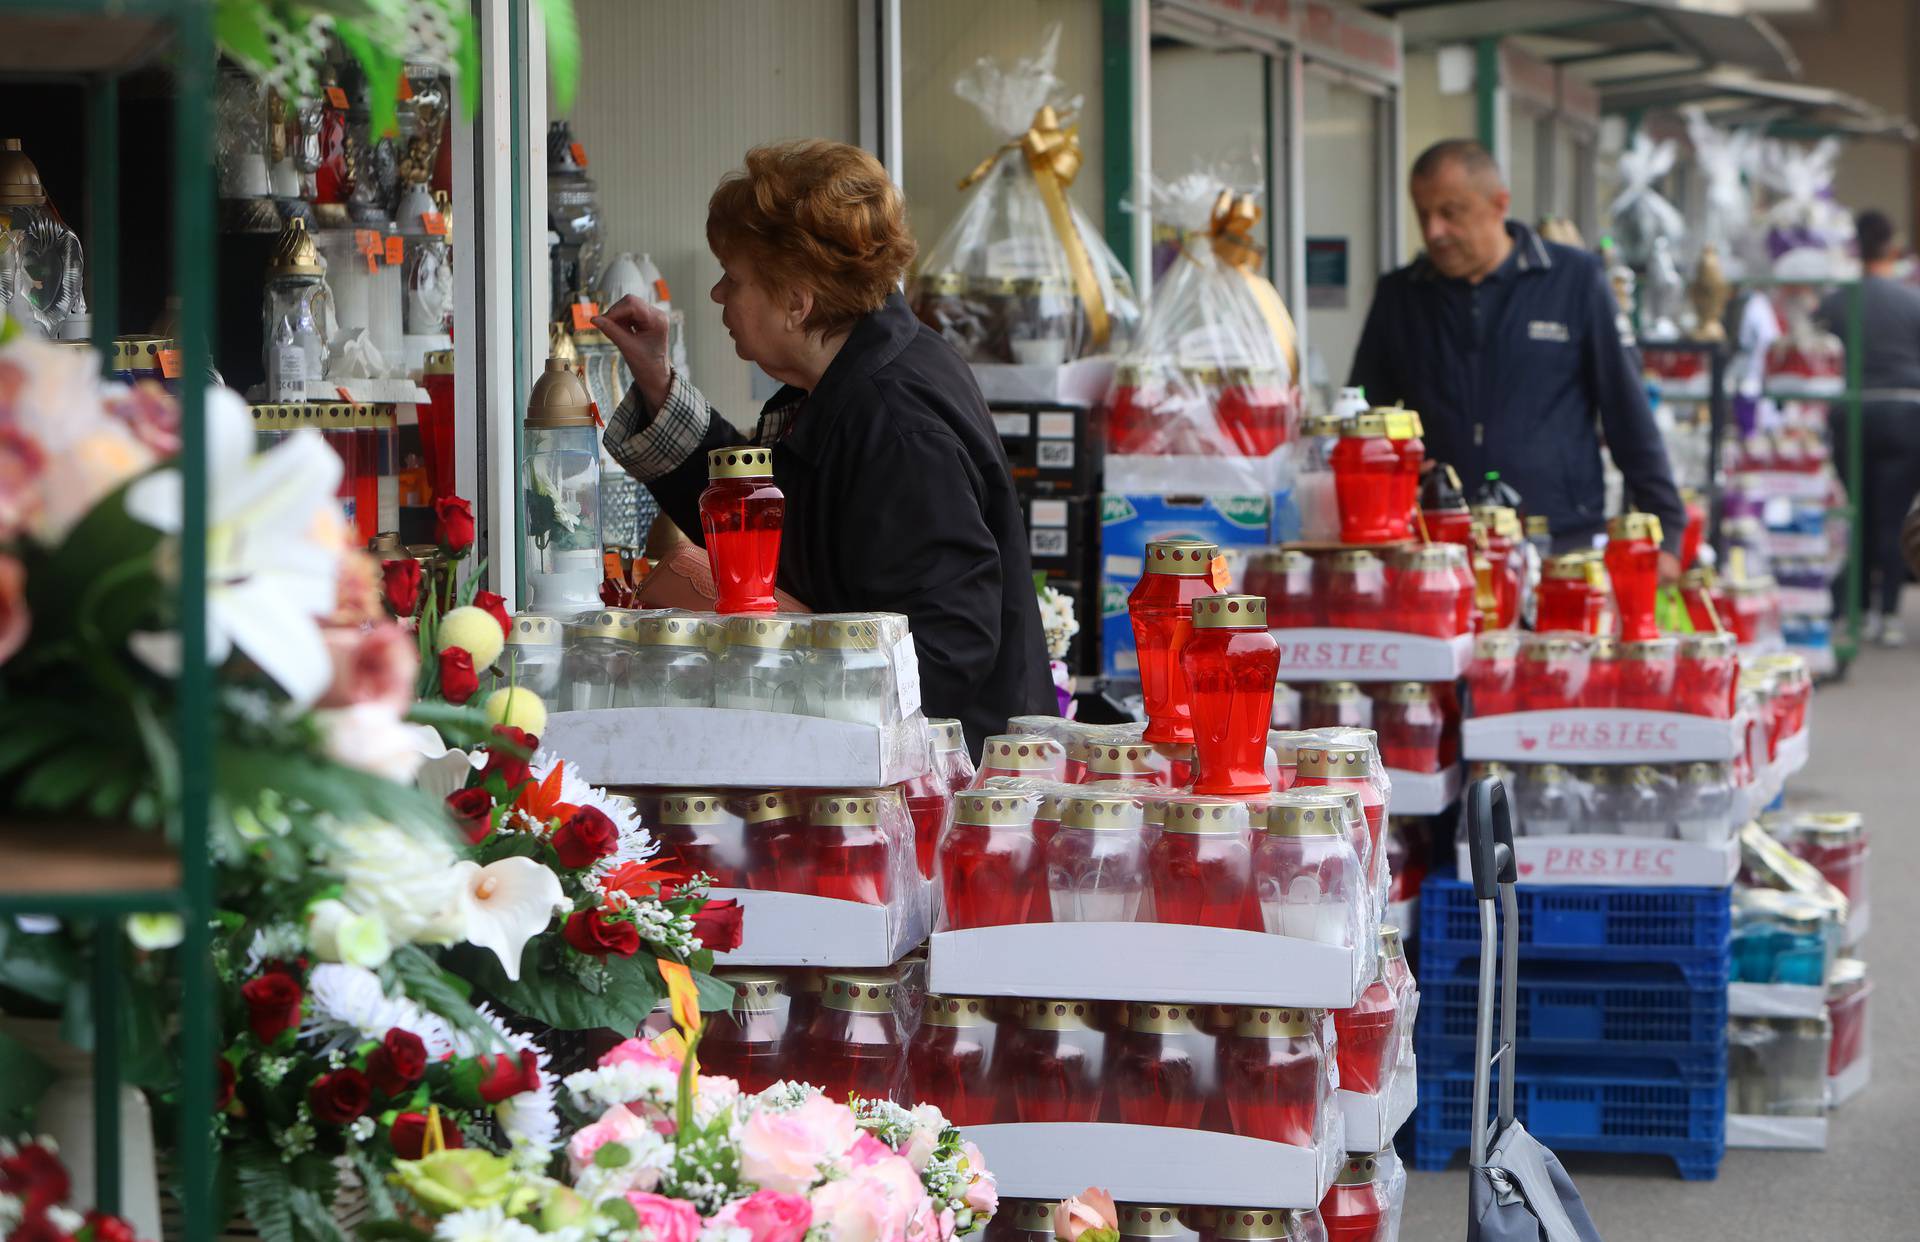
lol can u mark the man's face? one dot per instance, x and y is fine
(1462, 220)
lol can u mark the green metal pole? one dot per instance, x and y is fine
(1116, 125)
(193, 259)
(106, 1065)
(517, 19)
(1856, 467)
(103, 212)
(1486, 93)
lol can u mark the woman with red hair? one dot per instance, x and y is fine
(898, 497)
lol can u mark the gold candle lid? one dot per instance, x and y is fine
(948, 736)
(1356, 560)
(1649, 649)
(1603, 647)
(1306, 817)
(1200, 816)
(1479, 769)
(846, 634)
(677, 630)
(764, 808)
(682, 808)
(438, 362)
(1402, 424)
(956, 1011)
(1189, 557)
(1335, 692)
(1150, 1220)
(1334, 761)
(1020, 752)
(854, 991)
(983, 808)
(846, 810)
(1057, 1015)
(1391, 944)
(1372, 425)
(615, 625)
(559, 399)
(1257, 1020)
(1551, 646)
(1151, 1018)
(294, 253)
(1409, 692)
(768, 633)
(1099, 812)
(1360, 1170)
(1569, 567)
(1121, 759)
(1537, 525)
(739, 462)
(1634, 526)
(1434, 556)
(1643, 776)
(942, 283)
(1027, 1215)
(1230, 612)
(1706, 773)
(754, 991)
(1286, 744)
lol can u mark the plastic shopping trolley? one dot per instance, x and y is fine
(1518, 1191)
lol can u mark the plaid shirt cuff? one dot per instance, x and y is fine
(649, 448)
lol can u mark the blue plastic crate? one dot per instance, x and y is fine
(1686, 928)
(1592, 1105)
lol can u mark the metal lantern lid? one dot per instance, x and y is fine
(1372, 425)
(947, 735)
(1019, 753)
(1027, 1215)
(1410, 692)
(1119, 759)
(942, 284)
(1057, 1015)
(1230, 612)
(755, 991)
(559, 399)
(846, 810)
(771, 633)
(1201, 816)
(607, 623)
(675, 630)
(955, 1011)
(684, 809)
(1334, 760)
(1150, 1018)
(1391, 943)
(1634, 526)
(1286, 743)
(438, 362)
(1258, 1020)
(1360, 1170)
(764, 808)
(858, 992)
(1355, 561)
(19, 179)
(1190, 557)
(846, 634)
(994, 809)
(1335, 692)
(737, 462)
(294, 253)
(1151, 1220)
(1098, 812)
(1306, 817)
(1253, 1225)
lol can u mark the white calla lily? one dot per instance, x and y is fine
(508, 903)
(274, 536)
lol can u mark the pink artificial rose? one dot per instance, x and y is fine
(867, 1150)
(768, 1215)
(616, 1125)
(983, 1196)
(921, 1145)
(15, 621)
(376, 665)
(669, 1220)
(639, 1052)
(873, 1204)
(784, 1151)
(1090, 1209)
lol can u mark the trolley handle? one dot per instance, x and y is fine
(1489, 837)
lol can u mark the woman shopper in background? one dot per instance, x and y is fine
(898, 497)
(1890, 412)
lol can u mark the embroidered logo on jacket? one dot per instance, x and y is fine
(1547, 330)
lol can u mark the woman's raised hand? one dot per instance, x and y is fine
(639, 331)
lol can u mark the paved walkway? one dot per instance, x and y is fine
(1866, 757)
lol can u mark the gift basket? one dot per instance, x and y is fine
(1214, 371)
(1022, 276)
(1640, 213)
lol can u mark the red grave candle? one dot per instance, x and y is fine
(1404, 430)
(1356, 590)
(949, 1062)
(1128, 761)
(1428, 596)
(1603, 673)
(1134, 409)
(1633, 562)
(777, 847)
(1273, 1072)
(1162, 1067)
(745, 1042)
(1365, 1038)
(1347, 765)
(1286, 579)
(853, 1045)
(987, 860)
(1553, 671)
(740, 515)
(1366, 469)
(1230, 664)
(1057, 1068)
(1409, 723)
(950, 753)
(1335, 705)
(1502, 536)
(1847, 993)
(699, 834)
(1161, 609)
(1493, 677)
(1202, 864)
(852, 856)
(1022, 1220)
(1356, 1208)
(1561, 602)
(436, 422)
(1648, 669)
(1252, 409)
(929, 802)
(1021, 755)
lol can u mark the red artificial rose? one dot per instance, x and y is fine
(591, 932)
(453, 524)
(494, 606)
(503, 761)
(38, 1229)
(400, 581)
(718, 923)
(457, 679)
(110, 1228)
(35, 1176)
(340, 1097)
(473, 811)
(273, 1004)
(223, 1092)
(495, 1077)
(409, 1135)
(398, 1063)
(586, 837)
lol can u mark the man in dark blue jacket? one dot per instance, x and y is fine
(1508, 347)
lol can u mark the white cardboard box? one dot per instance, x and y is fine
(1191, 474)
(1792, 753)
(395, 391)
(1601, 735)
(1850, 1081)
(796, 929)
(1424, 793)
(1327, 653)
(1083, 382)
(724, 747)
(1142, 962)
(1153, 1164)
(1779, 1133)
(1610, 858)
(1373, 1120)
(1792, 484)
(1776, 1000)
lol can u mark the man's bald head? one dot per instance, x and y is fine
(1461, 201)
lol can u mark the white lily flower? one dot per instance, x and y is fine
(447, 772)
(273, 549)
(508, 903)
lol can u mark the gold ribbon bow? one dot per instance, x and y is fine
(1053, 154)
(1231, 230)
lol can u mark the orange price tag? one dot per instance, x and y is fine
(660, 289)
(396, 251)
(342, 391)
(434, 223)
(367, 242)
(170, 363)
(579, 154)
(583, 313)
(1221, 575)
(406, 88)
(337, 97)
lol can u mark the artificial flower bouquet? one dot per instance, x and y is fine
(34, 1185)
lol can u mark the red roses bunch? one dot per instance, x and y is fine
(33, 1178)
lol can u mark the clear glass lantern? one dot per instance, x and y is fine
(598, 669)
(296, 315)
(674, 665)
(533, 657)
(764, 666)
(560, 487)
(848, 675)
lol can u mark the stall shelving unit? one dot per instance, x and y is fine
(105, 873)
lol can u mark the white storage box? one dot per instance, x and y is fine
(797, 929)
(1609, 858)
(1424, 793)
(1780, 1133)
(1333, 654)
(1373, 1120)
(1776, 1000)
(1602, 735)
(727, 748)
(1154, 1164)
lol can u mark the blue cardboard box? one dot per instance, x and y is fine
(1238, 524)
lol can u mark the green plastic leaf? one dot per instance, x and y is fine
(611, 1156)
(466, 57)
(1670, 612)
(556, 997)
(716, 995)
(563, 50)
(434, 987)
(266, 1193)
(313, 1215)
(383, 78)
(237, 28)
